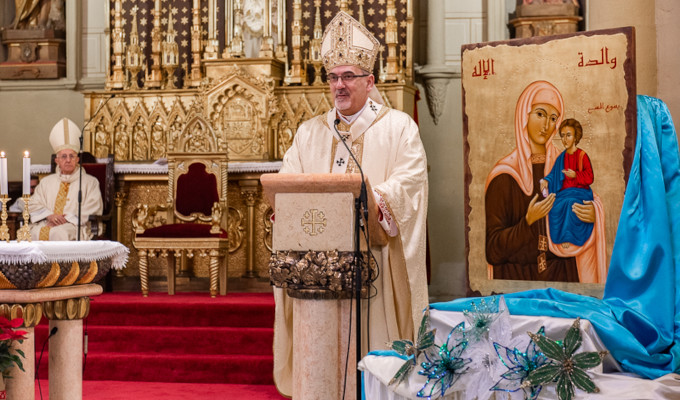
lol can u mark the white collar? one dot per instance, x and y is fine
(351, 118)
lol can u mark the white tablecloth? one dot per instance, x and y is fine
(162, 168)
(47, 252)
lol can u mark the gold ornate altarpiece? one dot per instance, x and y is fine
(254, 104)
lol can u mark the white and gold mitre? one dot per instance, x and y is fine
(65, 135)
(347, 42)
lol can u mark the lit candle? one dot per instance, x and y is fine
(3, 174)
(27, 174)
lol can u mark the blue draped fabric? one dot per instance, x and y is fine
(638, 318)
(556, 177)
(565, 227)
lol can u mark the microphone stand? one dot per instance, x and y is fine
(361, 201)
(80, 169)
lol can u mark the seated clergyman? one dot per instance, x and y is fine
(54, 204)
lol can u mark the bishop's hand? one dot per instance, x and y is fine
(56, 219)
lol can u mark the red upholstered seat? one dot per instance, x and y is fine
(98, 171)
(196, 205)
(196, 191)
(188, 230)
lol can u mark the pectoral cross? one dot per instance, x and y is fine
(542, 243)
(542, 264)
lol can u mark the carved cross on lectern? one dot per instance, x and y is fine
(313, 222)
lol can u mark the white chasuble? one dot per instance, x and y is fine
(387, 144)
(44, 202)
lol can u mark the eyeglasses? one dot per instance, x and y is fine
(347, 78)
(65, 157)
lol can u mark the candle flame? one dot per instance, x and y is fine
(26, 154)
(2, 154)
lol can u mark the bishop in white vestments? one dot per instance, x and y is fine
(387, 145)
(54, 203)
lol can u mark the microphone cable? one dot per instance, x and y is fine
(349, 339)
(363, 198)
(53, 331)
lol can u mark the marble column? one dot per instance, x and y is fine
(321, 332)
(436, 73)
(66, 347)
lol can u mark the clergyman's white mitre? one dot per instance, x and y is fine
(65, 135)
(347, 42)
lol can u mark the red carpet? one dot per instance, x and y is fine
(116, 390)
(176, 345)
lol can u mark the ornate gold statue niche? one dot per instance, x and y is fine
(117, 78)
(315, 46)
(134, 59)
(297, 73)
(235, 48)
(170, 59)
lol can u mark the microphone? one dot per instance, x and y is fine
(82, 132)
(80, 173)
(363, 196)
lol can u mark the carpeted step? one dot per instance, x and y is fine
(126, 390)
(185, 309)
(188, 337)
(173, 340)
(187, 368)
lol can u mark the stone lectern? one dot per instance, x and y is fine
(312, 259)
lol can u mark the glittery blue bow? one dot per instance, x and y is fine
(444, 367)
(520, 365)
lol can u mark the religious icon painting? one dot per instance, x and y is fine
(549, 134)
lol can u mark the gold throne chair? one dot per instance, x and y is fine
(193, 220)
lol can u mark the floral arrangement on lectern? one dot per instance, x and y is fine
(8, 334)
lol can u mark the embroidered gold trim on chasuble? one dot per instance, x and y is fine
(356, 145)
(59, 205)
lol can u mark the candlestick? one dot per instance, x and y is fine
(27, 174)
(4, 230)
(3, 174)
(24, 233)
